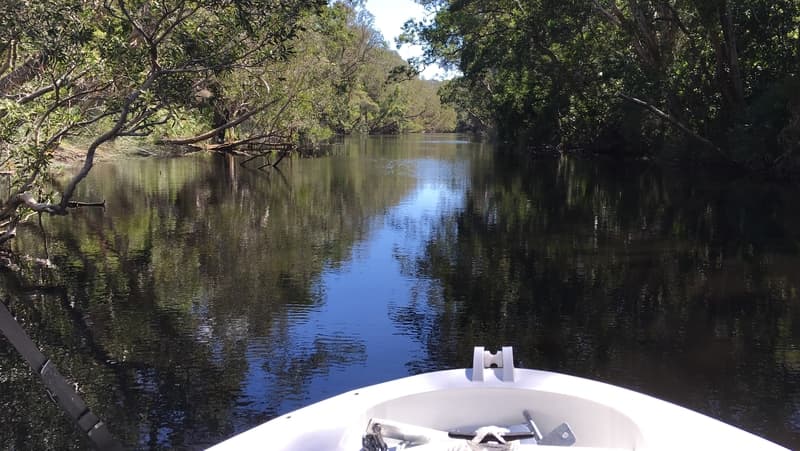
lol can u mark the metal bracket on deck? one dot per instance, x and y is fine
(482, 359)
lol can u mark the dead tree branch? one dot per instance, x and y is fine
(214, 132)
(672, 120)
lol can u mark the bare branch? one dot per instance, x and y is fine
(180, 19)
(63, 81)
(147, 38)
(74, 204)
(27, 199)
(66, 131)
(214, 132)
(142, 129)
(612, 13)
(136, 123)
(105, 137)
(672, 120)
(67, 100)
(166, 12)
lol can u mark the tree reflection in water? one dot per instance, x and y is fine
(171, 306)
(682, 288)
(196, 305)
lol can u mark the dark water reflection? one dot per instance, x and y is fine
(208, 297)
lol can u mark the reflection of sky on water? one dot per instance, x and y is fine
(358, 296)
(191, 315)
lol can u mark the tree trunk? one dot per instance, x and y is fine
(732, 58)
(722, 34)
(221, 117)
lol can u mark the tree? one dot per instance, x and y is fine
(112, 69)
(344, 79)
(710, 79)
(341, 78)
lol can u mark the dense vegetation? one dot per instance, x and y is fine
(686, 79)
(188, 71)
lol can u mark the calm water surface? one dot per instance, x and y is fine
(210, 297)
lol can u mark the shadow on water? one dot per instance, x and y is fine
(686, 289)
(209, 297)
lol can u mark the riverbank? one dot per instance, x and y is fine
(70, 154)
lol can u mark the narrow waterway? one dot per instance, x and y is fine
(210, 297)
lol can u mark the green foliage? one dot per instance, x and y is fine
(354, 83)
(88, 72)
(552, 72)
(340, 78)
(77, 69)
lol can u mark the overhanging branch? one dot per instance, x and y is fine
(672, 120)
(214, 132)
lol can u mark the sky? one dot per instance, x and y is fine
(390, 15)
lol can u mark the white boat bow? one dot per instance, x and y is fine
(494, 406)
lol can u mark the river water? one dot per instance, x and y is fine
(209, 297)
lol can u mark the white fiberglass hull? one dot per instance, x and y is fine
(600, 416)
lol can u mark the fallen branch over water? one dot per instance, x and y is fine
(73, 204)
(674, 121)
